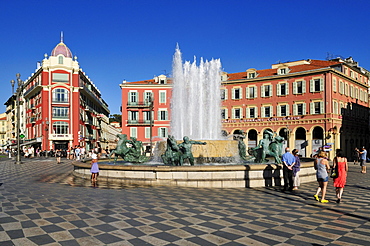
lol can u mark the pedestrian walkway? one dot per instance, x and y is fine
(43, 204)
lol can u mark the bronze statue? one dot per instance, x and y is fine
(176, 154)
(129, 154)
(172, 154)
(185, 148)
(268, 146)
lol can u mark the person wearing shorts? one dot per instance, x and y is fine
(322, 167)
(363, 154)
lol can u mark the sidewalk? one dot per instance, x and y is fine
(42, 204)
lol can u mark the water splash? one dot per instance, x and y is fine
(196, 99)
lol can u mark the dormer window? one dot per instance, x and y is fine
(161, 79)
(283, 70)
(60, 59)
(251, 73)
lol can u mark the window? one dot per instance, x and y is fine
(282, 89)
(317, 107)
(266, 90)
(237, 93)
(146, 115)
(132, 97)
(162, 132)
(251, 92)
(224, 114)
(334, 85)
(223, 94)
(60, 77)
(60, 112)
(162, 115)
(60, 95)
(341, 87)
(282, 71)
(251, 112)
(133, 115)
(237, 113)
(266, 111)
(148, 97)
(299, 87)
(283, 110)
(316, 85)
(299, 109)
(60, 127)
(335, 107)
(251, 75)
(162, 97)
(133, 132)
(60, 59)
(147, 132)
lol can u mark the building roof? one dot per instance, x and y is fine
(61, 49)
(293, 68)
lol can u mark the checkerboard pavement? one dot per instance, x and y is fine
(43, 204)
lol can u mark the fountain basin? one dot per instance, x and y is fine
(215, 176)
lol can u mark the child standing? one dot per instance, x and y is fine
(94, 167)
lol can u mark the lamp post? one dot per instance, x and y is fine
(18, 99)
(287, 130)
(150, 101)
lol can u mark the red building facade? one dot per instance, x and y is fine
(146, 109)
(311, 103)
(63, 106)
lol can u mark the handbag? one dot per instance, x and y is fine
(334, 173)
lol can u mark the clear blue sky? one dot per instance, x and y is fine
(135, 40)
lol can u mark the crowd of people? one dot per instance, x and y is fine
(338, 171)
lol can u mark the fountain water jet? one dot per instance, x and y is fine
(196, 99)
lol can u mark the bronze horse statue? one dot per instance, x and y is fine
(121, 149)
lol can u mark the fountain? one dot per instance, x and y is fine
(195, 113)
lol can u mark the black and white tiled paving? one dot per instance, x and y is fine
(43, 204)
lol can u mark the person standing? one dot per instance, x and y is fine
(356, 156)
(58, 155)
(94, 167)
(296, 169)
(341, 166)
(322, 167)
(288, 163)
(363, 154)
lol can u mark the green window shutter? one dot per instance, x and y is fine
(287, 88)
(294, 109)
(271, 92)
(304, 109)
(294, 88)
(226, 92)
(247, 113)
(247, 92)
(278, 90)
(278, 107)
(304, 86)
(262, 91)
(271, 111)
(233, 94)
(255, 91)
(321, 84)
(312, 85)
(312, 108)
(322, 109)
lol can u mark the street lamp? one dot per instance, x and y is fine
(12, 82)
(150, 101)
(287, 130)
(18, 98)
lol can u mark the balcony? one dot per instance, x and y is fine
(144, 104)
(138, 122)
(60, 137)
(33, 120)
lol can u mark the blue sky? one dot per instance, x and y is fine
(135, 40)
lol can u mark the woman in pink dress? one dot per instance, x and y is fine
(340, 163)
